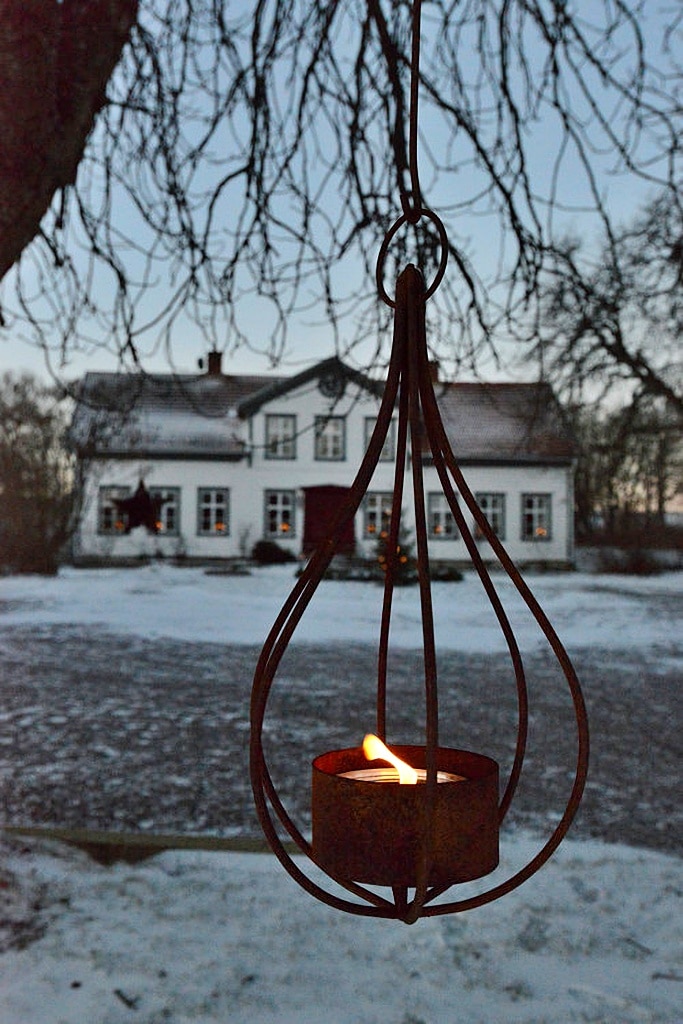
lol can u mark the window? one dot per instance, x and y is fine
(330, 438)
(279, 507)
(536, 523)
(440, 519)
(493, 507)
(377, 513)
(388, 453)
(213, 512)
(109, 520)
(280, 437)
(168, 521)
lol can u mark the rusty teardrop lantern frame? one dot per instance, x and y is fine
(421, 838)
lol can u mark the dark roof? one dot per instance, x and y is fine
(205, 394)
(199, 416)
(149, 414)
(504, 423)
(185, 415)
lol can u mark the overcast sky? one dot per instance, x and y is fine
(311, 339)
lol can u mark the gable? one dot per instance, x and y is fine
(332, 376)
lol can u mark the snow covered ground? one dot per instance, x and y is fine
(192, 937)
(186, 604)
(206, 937)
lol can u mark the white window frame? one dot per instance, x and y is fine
(330, 438)
(106, 510)
(280, 431)
(441, 524)
(279, 508)
(388, 453)
(168, 523)
(536, 525)
(213, 512)
(492, 504)
(377, 513)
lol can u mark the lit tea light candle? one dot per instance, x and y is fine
(374, 834)
(375, 750)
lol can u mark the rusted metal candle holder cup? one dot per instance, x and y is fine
(373, 831)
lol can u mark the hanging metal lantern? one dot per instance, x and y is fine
(371, 828)
(368, 828)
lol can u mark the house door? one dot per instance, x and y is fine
(321, 504)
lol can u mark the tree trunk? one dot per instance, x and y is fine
(55, 61)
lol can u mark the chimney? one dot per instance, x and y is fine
(214, 364)
(434, 366)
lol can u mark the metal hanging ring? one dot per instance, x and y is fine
(407, 218)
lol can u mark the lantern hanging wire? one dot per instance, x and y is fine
(442, 823)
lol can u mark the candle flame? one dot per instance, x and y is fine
(374, 749)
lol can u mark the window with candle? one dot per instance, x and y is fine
(280, 514)
(330, 438)
(536, 517)
(280, 437)
(213, 512)
(168, 521)
(109, 520)
(376, 513)
(493, 507)
(441, 522)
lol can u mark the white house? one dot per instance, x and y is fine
(233, 459)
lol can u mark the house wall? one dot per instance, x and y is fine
(252, 478)
(514, 483)
(305, 470)
(188, 476)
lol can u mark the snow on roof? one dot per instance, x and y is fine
(193, 415)
(504, 422)
(200, 415)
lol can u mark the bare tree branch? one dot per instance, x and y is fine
(617, 332)
(250, 157)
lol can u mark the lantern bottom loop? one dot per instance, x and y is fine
(372, 832)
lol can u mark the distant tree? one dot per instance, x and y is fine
(610, 342)
(630, 461)
(615, 333)
(592, 488)
(37, 483)
(649, 471)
